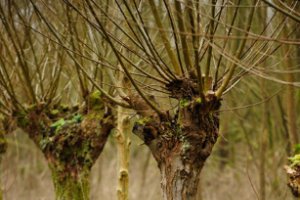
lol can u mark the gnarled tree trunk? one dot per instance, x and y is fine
(71, 141)
(181, 144)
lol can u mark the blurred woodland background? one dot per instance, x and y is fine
(71, 69)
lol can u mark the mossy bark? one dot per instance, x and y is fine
(181, 145)
(71, 141)
(294, 179)
(70, 186)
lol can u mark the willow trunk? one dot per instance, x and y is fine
(181, 144)
(71, 187)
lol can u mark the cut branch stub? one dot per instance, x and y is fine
(182, 143)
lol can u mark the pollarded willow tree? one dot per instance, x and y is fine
(187, 56)
(44, 93)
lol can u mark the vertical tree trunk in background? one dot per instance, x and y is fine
(263, 141)
(124, 129)
(283, 120)
(181, 145)
(123, 140)
(263, 137)
(290, 99)
(291, 111)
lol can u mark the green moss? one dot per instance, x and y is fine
(62, 122)
(95, 99)
(58, 124)
(297, 149)
(198, 100)
(295, 160)
(184, 103)
(95, 115)
(64, 107)
(76, 119)
(143, 121)
(54, 112)
(22, 120)
(31, 107)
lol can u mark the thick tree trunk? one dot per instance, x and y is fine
(70, 186)
(181, 162)
(71, 141)
(181, 144)
(179, 180)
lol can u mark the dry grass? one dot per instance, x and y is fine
(25, 175)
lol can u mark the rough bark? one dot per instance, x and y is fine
(71, 140)
(181, 143)
(75, 187)
(294, 179)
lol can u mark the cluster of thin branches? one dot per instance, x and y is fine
(52, 49)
